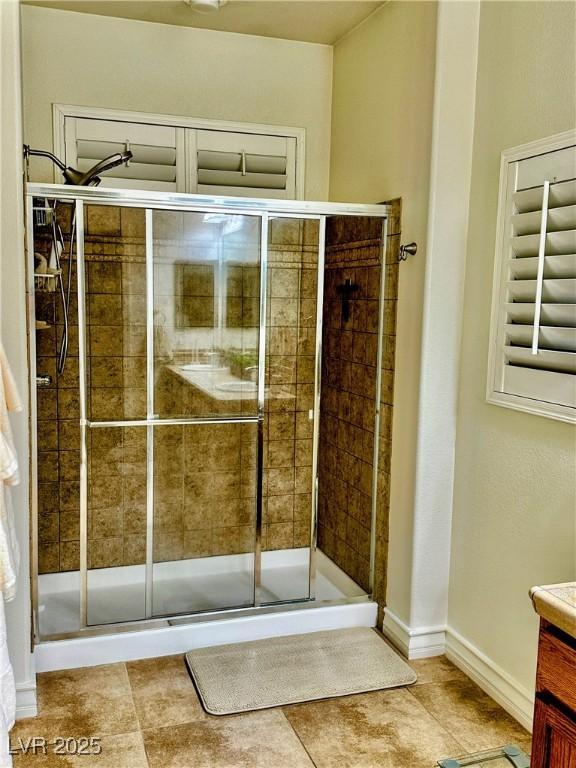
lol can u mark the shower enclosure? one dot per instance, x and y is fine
(184, 454)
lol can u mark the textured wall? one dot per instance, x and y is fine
(13, 308)
(88, 60)
(514, 503)
(382, 103)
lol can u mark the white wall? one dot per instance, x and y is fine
(514, 515)
(13, 334)
(381, 147)
(450, 176)
(87, 60)
(509, 479)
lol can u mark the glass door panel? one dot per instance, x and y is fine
(293, 247)
(206, 313)
(204, 517)
(115, 312)
(172, 508)
(116, 524)
(113, 318)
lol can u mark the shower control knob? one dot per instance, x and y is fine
(43, 380)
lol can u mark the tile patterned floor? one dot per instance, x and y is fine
(148, 715)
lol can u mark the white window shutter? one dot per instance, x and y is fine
(533, 346)
(184, 154)
(157, 163)
(243, 165)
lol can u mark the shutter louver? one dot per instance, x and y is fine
(539, 314)
(174, 158)
(230, 169)
(245, 165)
(155, 161)
(147, 164)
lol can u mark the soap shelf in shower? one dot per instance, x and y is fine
(45, 282)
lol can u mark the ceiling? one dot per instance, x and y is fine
(311, 21)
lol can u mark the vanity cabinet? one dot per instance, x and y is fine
(554, 734)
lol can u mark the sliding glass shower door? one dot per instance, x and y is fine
(177, 449)
(198, 391)
(204, 364)
(171, 338)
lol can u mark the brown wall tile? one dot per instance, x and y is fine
(206, 505)
(348, 397)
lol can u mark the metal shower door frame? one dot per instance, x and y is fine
(150, 201)
(151, 422)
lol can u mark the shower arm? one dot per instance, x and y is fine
(71, 175)
(28, 151)
(76, 177)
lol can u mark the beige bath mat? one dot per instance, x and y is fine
(289, 670)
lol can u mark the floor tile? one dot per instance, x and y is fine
(75, 703)
(163, 692)
(470, 715)
(147, 713)
(256, 740)
(121, 751)
(388, 729)
(436, 670)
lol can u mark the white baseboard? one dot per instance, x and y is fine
(414, 643)
(423, 642)
(26, 705)
(495, 681)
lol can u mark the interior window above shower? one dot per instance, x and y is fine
(158, 152)
(242, 164)
(183, 154)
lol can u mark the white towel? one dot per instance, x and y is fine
(7, 694)
(9, 552)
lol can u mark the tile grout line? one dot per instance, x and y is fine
(433, 716)
(298, 737)
(140, 730)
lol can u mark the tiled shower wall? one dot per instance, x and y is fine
(354, 251)
(114, 258)
(199, 510)
(290, 359)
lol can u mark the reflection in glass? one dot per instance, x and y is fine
(206, 313)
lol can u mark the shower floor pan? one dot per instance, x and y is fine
(117, 594)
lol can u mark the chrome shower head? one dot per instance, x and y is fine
(82, 178)
(91, 177)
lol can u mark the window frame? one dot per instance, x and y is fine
(61, 111)
(493, 396)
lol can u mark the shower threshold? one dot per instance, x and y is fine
(115, 592)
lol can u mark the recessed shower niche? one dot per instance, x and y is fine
(207, 402)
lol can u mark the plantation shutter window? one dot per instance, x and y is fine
(158, 152)
(242, 164)
(178, 157)
(533, 344)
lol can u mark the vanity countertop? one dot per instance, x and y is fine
(556, 603)
(214, 382)
(223, 386)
